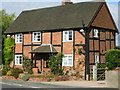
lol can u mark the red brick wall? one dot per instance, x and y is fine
(18, 48)
(27, 38)
(26, 51)
(56, 38)
(68, 48)
(46, 37)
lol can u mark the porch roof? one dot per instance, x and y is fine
(44, 49)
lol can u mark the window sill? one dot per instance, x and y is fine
(19, 64)
(18, 42)
(67, 41)
(36, 41)
(68, 66)
(95, 36)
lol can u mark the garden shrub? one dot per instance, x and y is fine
(112, 58)
(21, 75)
(55, 64)
(4, 72)
(27, 65)
(26, 78)
(6, 67)
(9, 73)
(16, 72)
(30, 71)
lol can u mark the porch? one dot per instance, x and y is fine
(40, 56)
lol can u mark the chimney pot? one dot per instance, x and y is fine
(65, 2)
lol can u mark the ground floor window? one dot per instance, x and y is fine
(67, 60)
(18, 59)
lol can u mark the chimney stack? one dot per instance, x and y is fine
(65, 2)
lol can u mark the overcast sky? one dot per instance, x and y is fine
(17, 6)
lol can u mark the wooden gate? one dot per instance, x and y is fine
(97, 72)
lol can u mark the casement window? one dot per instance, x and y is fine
(96, 33)
(36, 37)
(18, 59)
(67, 36)
(96, 59)
(67, 60)
(18, 38)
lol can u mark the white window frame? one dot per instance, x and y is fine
(96, 58)
(17, 38)
(67, 36)
(18, 60)
(33, 40)
(95, 33)
(67, 60)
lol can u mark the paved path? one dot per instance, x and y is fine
(89, 84)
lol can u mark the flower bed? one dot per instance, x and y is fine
(41, 79)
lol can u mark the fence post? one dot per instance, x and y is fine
(95, 72)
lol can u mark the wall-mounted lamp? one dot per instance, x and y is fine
(81, 30)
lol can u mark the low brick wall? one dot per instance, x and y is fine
(33, 79)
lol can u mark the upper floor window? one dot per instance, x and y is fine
(67, 60)
(18, 59)
(96, 33)
(67, 36)
(36, 37)
(18, 38)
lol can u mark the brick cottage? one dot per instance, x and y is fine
(43, 32)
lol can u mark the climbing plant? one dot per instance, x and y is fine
(55, 63)
(8, 50)
(80, 50)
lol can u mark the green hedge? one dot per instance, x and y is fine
(112, 58)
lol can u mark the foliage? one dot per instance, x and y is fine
(4, 72)
(26, 78)
(21, 75)
(9, 45)
(16, 72)
(55, 63)
(9, 73)
(43, 76)
(7, 20)
(27, 65)
(6, 67)
(62, 78)
(112, 58)
(30, 71)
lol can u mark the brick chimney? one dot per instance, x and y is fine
(65, 2)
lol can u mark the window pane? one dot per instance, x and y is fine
(20, 61)
(70, 35)
(37, 36)
(65, 60)
(69, 61)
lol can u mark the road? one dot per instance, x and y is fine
(33, 85)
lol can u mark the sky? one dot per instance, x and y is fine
(17, 6)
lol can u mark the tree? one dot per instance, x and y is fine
(6, 21)
(112, 58)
